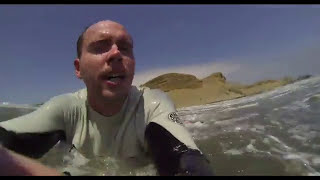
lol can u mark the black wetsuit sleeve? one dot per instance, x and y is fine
(33, 134)
(172, 157)
(33, 145)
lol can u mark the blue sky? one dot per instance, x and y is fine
(245, 42)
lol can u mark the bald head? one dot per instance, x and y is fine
(105, 25)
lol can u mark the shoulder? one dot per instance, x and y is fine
(155, 96)
(155, 100)
(68, 99)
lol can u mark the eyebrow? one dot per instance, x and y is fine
(106, 37)
(93, 44)
(123, 39)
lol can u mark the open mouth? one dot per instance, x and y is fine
(114, 78)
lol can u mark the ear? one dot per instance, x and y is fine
(77, 68)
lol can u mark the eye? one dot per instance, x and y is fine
(124, 45)
(100, 47)
(124, 48)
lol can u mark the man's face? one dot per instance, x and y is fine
(107, 61)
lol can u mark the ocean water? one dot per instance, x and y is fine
(273, 133)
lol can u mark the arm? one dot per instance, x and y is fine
(30, 144)
(172, 157)
(35, 133)
(13, 164)
(172, 147)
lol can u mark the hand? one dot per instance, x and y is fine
(13, 164)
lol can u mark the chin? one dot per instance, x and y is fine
(114, 95)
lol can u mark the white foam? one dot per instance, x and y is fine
(259, 127)
(299, 137)
(75, 159)
(317, 85)
(317, 95)
(149, 170)
(256, 130)
(299, 128)
(237, 128)
(306, 99)
(313, 174)
(296, 105)
(233, 120)
(240, 107)
(251, 148)
(22, 106)
(275, 139)
(266, 141)
(281, 94)
(196, 125)
(315, 146)
(292, 156)
(280, 142)
(275, 122)
(236, 123)
(233, 152)
(316, 161)
(309, 97)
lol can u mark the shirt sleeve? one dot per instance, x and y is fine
(161, 110)
(48, 117)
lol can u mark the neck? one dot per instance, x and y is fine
(106, 107)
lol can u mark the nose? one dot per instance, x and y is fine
(114, 54)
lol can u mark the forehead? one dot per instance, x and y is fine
(106, 30)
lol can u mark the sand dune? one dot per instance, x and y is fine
(186, 90)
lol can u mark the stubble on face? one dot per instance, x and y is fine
(99, 64)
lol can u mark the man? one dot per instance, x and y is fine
(110, 117)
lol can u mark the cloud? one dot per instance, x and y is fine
(251, 69)
(295, 63)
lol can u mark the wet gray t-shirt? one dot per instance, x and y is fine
(93, 134)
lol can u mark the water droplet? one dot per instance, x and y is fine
(238, 128)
